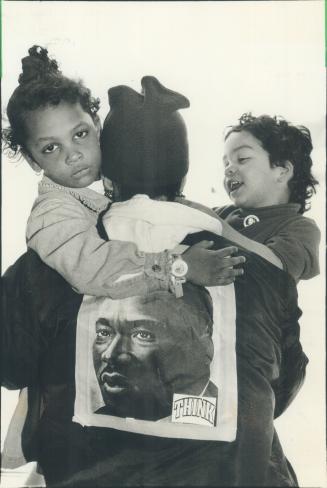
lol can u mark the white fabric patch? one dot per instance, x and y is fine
(154, 230)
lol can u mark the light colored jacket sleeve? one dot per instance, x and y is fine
(64, 234)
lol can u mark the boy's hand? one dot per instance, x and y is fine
(212, 268)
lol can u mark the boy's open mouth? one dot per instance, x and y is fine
(234, 185)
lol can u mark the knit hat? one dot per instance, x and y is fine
(144, 139)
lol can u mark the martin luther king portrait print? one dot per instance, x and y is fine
(152, 359)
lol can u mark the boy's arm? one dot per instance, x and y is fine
(250, 245)
(232, 235)
(297, 246)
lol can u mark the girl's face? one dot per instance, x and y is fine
(250, 181)
(63, 141)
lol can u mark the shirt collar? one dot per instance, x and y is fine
(90, 197)
(286, 208)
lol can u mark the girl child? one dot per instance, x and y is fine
(55, 126)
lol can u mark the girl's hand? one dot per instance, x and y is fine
(212, 268)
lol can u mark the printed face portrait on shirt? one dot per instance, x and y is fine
(148, 348)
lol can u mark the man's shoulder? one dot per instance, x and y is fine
(26, 263)
(29, 274)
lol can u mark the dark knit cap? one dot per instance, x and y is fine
(144, 139)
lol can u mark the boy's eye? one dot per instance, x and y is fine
(81, 134)
(50, 148)
(242, 160)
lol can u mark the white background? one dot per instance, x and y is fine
(227, 58)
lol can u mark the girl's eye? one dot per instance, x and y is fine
(50, 148)
(81, 134)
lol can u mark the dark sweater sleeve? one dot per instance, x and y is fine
(297, 246)
(33, 296)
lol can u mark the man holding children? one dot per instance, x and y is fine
(122, 253)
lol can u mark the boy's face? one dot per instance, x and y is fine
(250, 181)
(63, 141)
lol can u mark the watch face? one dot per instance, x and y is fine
(179, 268)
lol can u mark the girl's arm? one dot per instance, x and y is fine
(64, 235)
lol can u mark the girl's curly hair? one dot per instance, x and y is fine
(284, 142)
(41, 83)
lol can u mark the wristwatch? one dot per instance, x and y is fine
(178, 271)
(179, 267)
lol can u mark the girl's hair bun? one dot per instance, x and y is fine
(37, 65)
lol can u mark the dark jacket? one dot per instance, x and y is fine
(38, 350)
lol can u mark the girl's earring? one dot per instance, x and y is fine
(179, 194)
(35, 167)
(109, 194)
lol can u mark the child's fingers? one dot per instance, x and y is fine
(210, 268)
(229, 272)
(226, 251)
(223, 260)
(203, 244)
(228, 276)
(232, 261)
(238, 272)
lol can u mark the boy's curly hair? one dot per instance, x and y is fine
(41, 84)
(284, 142)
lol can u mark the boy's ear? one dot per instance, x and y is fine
(33, 164)
(286, 172)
